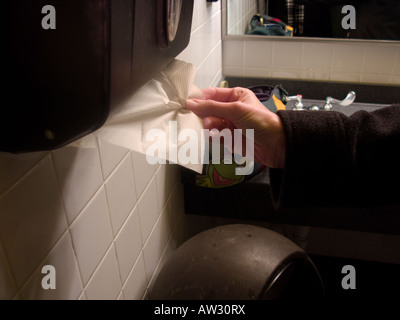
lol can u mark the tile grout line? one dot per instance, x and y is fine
(23, 175)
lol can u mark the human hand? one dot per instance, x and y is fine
(239, 108)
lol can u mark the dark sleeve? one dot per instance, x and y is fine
(336, 160)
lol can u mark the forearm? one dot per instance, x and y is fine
(335, 160)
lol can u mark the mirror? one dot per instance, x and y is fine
(324, 19)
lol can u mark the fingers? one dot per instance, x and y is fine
(220, 102)
(211, 108)
(217, 123)
(213, 123)
(223, 94)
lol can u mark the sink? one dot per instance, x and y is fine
(250, 200)
(347, 110)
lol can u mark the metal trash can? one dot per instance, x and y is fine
(238, 262)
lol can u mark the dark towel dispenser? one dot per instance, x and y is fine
(73, 61)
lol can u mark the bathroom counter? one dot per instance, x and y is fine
(251, 199)
(380, 94)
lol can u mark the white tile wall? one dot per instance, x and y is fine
(205, 47)
(100, 214)
(338, 61)
(239, 15)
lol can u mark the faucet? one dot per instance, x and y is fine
(351, 96)
(299, 104)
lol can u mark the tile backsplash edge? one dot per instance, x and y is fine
(351, 62)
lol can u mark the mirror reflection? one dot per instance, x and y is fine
(338, 19)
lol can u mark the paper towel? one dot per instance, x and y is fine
(158, 105)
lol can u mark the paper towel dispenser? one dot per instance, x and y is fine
(73, 61)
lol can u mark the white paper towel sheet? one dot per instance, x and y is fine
(158, 105)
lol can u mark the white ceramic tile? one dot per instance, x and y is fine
(79, 175)
(156, 243)
(217, 79)
(175, 206)
(143, 172)
(211, 66)
(121, 194)
(105, 283)
(286, 74)
(375, 78)
(345, 77)
(7, 283)
(232, 53)
(347, 58)
(287, 55)
(146, 295)
(199, 15)
(82, 296)
(110, 156)
(231, 16)
(249, 8)
(128, 244)
(136, 284)
(315, 74)
(345, 61)
(396, 68)
(91, 235)
(379, 59)
(316, 55)
(203, 11)
(195, 16)
(395, 80)
(258, 54)
(17, 297)
(148, 209)
(193, 53)
(31, 219)
(257, 72)
(186, 54)
(212, 32)
(206, 32)
(171, 246)
(202, 77)
(232, 71)
(67, 279)
(166, 177)
(207, 37)
(13, 166)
